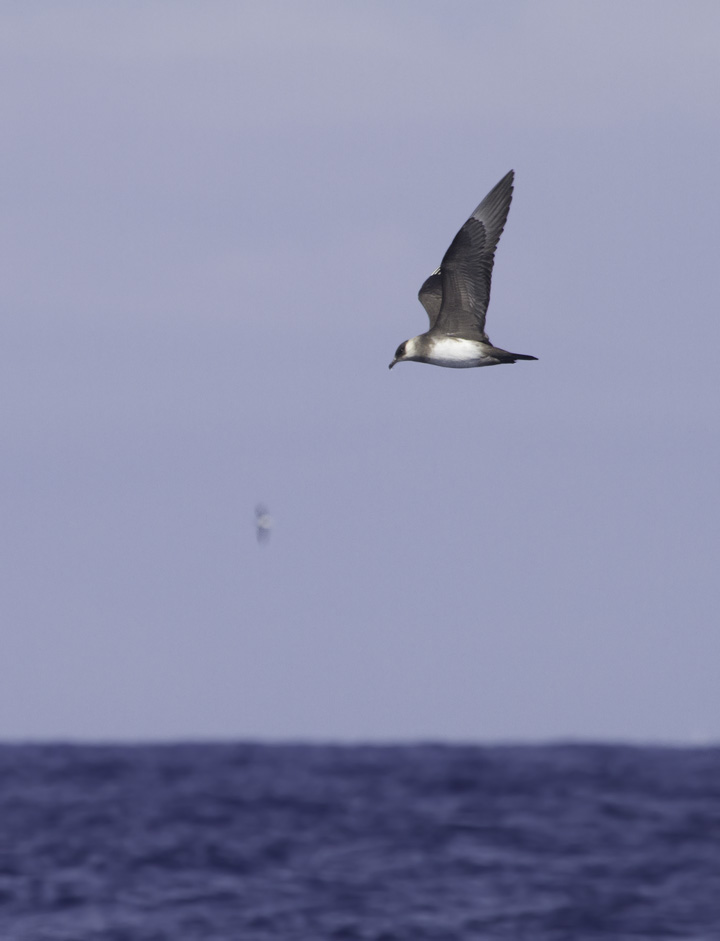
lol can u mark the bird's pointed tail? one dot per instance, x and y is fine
(505, 356)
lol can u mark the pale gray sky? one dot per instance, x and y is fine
(215, 220)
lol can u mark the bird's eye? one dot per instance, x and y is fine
(400, 351)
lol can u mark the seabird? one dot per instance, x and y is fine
(263, 523)
(457, 294)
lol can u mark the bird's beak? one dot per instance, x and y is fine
(392, 364)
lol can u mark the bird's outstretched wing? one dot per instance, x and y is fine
(466, 269)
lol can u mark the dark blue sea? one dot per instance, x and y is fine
(379, 843)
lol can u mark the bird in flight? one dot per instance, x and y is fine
(263, 523)
(457, 294)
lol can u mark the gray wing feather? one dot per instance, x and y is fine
(466, 269)
(431, 296)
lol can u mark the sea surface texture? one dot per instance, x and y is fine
(398, 843)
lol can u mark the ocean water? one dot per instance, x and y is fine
(398, 843)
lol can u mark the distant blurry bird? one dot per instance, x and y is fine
(263, 523)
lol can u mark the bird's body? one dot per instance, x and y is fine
(455, 352)
(457, 294)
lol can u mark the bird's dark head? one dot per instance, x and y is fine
(400, 353)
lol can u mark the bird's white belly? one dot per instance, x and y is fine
(459, 353)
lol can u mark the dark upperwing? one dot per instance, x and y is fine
(457, 294)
